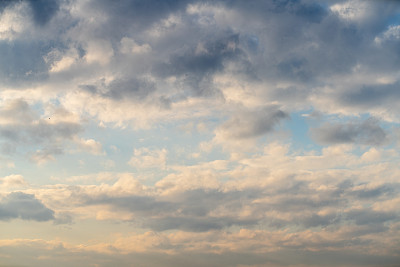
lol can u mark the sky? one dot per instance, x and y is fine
(199, 133)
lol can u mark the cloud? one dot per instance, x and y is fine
(143, 205)
(42, 156)
(199, 63)
(90, 145)
(250, 124)
(192, 224)
(281, 204)
(137, 13)
(13, 20)
(83, 76)
(274, 201)
(362, 217)
(43, 11)
(146, 158)
(367, 132)
(63, 218)
(20, 124)
(13, 180)
(372, 95)
(135, 89)
(24, 206)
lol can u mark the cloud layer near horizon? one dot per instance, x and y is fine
(220, 133)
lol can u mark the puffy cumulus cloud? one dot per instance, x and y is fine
(24, 206)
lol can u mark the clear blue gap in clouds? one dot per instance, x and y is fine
(299, 125)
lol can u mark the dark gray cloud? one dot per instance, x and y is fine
(139, 89)
(194, 208)
(43, 10)
(383, 190)
(373, 95)
(24, 206)
(137, 14)
(368, 216)
(207, 60)
(249, 124)
(316, 220)
(197, 65)
(142, 205)
(134, 89)
(367, 132)
(295, 40)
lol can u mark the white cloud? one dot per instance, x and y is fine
(354, 10)
(90, 145)
(62, 61)
(99, 51)
(391, 34)
(13, 181)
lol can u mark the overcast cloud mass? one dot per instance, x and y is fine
(199, 133)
